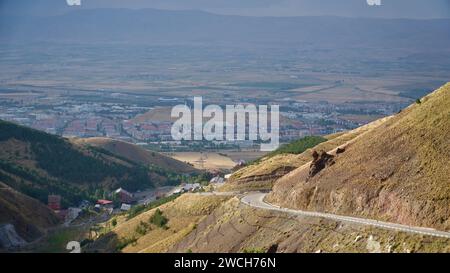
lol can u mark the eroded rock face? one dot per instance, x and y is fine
(9, 237)
(273, 248)
(320, 162)
(266, 177)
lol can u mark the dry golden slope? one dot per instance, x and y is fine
(263, 174)
(200, 223)
(183, 214)
(398, 171)
(137, 154)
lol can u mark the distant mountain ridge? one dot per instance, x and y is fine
(355, 8)
(186, 27)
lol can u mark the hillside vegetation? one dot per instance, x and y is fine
(38, 164)
(158, 229)
(137, 154)
(296, 147)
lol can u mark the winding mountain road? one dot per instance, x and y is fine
(256, 200)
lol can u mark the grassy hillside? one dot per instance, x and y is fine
(294, 148)
(36, 163)
(137, 154)
(158, 229)
(268, 169)
(397, 171)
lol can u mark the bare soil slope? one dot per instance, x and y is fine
(235, 227)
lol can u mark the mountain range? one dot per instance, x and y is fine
(151, 26)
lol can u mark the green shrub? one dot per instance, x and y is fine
(158, 219)
(299, 146)
(254, 250)
(295, 147)
(122, 243)
(142, 228)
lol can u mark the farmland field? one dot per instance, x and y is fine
(213, 160)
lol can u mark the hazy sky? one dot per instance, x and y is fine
(353, 8)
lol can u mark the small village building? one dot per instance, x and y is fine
(215, 172)
(54, 202)
(241, 163)
(103, 203)
(124, 196)
(62, 214)
(177, 191)
(72, 214)
(191, 187)
(125, 207)
(217, 180)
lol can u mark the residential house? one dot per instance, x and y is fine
(124, 196)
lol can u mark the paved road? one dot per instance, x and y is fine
(217, 193)
(257, 200)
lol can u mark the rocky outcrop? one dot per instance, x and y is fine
(320, 162)
(274, 175)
